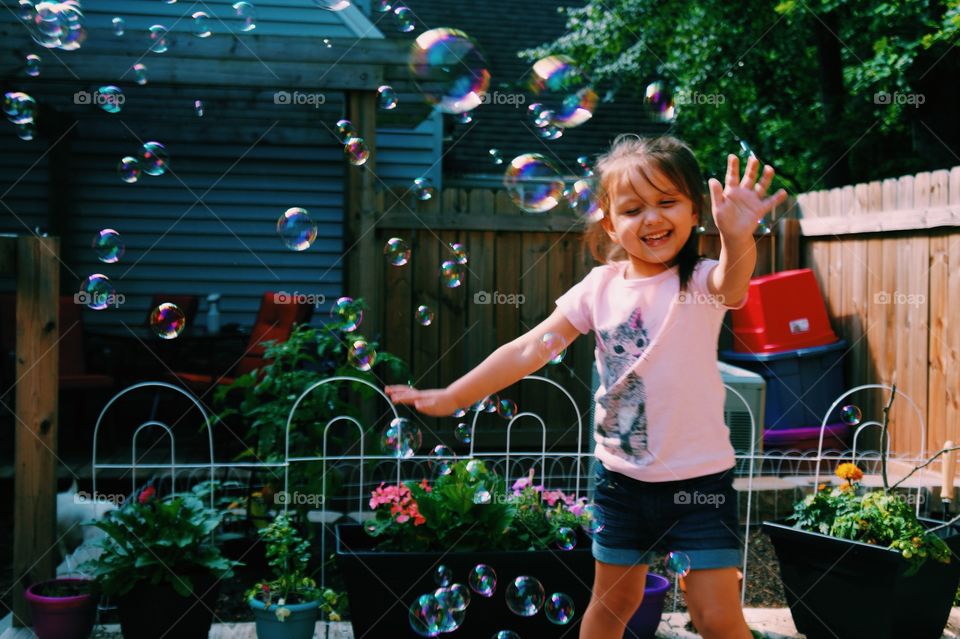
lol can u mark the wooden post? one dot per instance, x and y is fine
(788, 244)
(37, 374)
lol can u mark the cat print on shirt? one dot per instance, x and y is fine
(625, 404)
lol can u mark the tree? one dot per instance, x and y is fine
(829, 92)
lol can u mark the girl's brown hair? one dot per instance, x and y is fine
(670, 157)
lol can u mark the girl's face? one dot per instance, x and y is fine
(651, 221)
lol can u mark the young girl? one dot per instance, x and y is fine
(665, 477)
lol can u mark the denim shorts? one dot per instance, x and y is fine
(697, 516)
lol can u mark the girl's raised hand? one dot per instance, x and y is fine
(739, 205)
(435, 402)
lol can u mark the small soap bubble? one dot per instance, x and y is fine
(32, 65)
(506, 634)
(441, 460)
(559, 608)
(481, 495)
(96, 292)
(851, 415)
(525, 596)
(677, 563)
(460, 412)
(462, 433)
(483, 580)
(382, 6)
(465, 118)
(659, 102)
(474, 467)
(361, 355)
(583, 201)
(158, 38)
(397, 251)
(296, 230)
(533, 182)
(566, 538)
(451, 273)
(27, 131)
(506, 408)
(459, 252)
(388, 97)
(327, 43)
(108, 246)
(459, 597)
(201, 24)
(129, 169)
(119, 26)
(167, 321)
(763, 226)
(154, 159)
(423, 189)
(405, 19)
(449, 70)
(425, 616)
(140, 73)
(551, 345)
(491, 404)
(401, 438)
(247, 14)
(424, 315)
(550, 132)
(496, 156)
(110, 98)
(347, 313)
(443, 576)
(198, 108)
(564, 90)
(345, 129)
(356, 151)
(593, 521)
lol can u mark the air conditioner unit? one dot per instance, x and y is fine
(735, 412)
(752, 387)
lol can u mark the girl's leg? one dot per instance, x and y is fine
(713, 599)
(617, 592)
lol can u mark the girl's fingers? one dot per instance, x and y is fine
(733, 170)
(774, 200)
(750, 175)
(765, 180)
(716, 191)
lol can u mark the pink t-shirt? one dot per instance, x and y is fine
(662, 419)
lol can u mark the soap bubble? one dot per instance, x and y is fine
(491, 404)
(96, 292)
(153, 158)
(533, 182)
(110, 98)
(566, 538)
(462, 433)
(333, 5)
(474, 467)
(677, 563)
(506, 634)
(348, 313)
(659, 102)
(551, 345)
(297, 231)
(356, 151)
(26, 131)
(345, 129)
(451, 273)
(119, 26)
(198, 108)
(247, 14)
(201, 24)
(465, 118)
(459, 252)
(763, 226)
(424, 315)
(140, 73)
(483, 580)
(460, 412)
(525, 596)
(158, 38)
(443, 576)
(361, 355)
(129, 169)
(441, 460)
(425, 616)
(496, 156)
(405, 18)
(583, 201)
(19, 107)
(167, 321)
(481, 495)
(550, 132)
(382, 6)
(32, 65)
(108, 246)
(539, 115)
(56, 25)
(850, 415)
(564, 90)
(459, 596)
(449, 70)
(327, 43)
(388, 98)
(397, 251)
(423, 189)
(506, 408)
(594, 521)
(559, 608)
(401, 438)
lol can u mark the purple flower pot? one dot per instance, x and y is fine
(69, 617)
(644, 623)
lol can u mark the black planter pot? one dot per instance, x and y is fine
(841, 589)
(154, 611)
(382, 585)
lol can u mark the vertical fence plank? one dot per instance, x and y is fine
(938, 323)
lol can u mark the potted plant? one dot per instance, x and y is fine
(429, 539)
(161, 565)
(857, 563)
(286, 607)
(63, 608)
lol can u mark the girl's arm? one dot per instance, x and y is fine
(738, 207)
(506, 365)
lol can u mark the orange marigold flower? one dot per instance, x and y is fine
(849, 471)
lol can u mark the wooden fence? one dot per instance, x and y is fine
(887, 256)
(538, 257)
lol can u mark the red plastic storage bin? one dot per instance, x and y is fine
(784, 311)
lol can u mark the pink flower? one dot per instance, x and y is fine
(146, 494)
